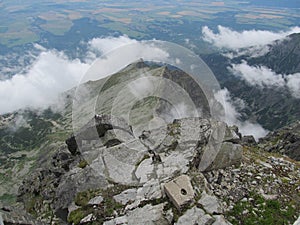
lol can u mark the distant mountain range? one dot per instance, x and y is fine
(272, 107)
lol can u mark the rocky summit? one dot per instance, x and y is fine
(190, 171)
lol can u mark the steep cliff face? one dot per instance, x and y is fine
(148, 168)
(283, 56)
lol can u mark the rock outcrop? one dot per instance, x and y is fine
(285, 141)
(189, 171)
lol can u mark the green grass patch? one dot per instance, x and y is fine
(76, 216)
(8, 198)
(261, 212)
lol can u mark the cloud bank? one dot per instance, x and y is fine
(232, 116)
(129, 51)
(233, 40)
(262, 76)
(107, 44)
(52, 72)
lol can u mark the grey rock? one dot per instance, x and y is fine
(232, 135)
(75, 181)
(88, 218)
(97, 128)
(195, 216)
(297, 222)
(205, 144)
(176, 162)
(96, 200)
(211, 204)
(149, 214)
(150, 190)
(126, 196)
(18, 216)
(218, 153)
(117, 221)
(248, 140)
(192, 131)
(72, 207)
(220, 220)
(169, 215)
(145, 171)
(285, 140)
(228, 154)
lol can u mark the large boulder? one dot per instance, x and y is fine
(202, 143)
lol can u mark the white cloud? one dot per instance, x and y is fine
(253, 52)
(183, 110)
(232, 116)
(293, 83)
(107, 44)
(128, 51)
(51, 74)
(233, 40)
(264, 77)
(257, 75)
(142, 87)
(18, 121)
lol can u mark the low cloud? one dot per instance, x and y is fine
(257, 75)
(50, 74)
(142, 87)
(128, 51)
(293, 83)
(18, 121)
(262, 76)
(107, 44)
(233, 40)
(232, 116)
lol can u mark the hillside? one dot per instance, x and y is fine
(169, 175)
(272, 107)
(138, 169)
(283, 56)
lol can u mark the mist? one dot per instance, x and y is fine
(232, 116)
(52, 73)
